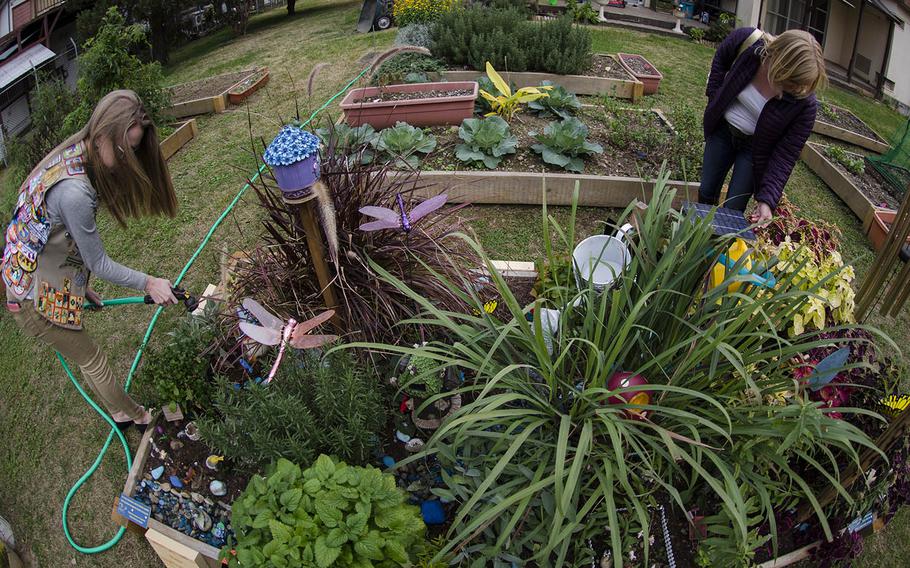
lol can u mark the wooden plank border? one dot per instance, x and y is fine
(206, 105)
(855, 199)
(526, 188)
(179, 138)
(844, 135)
(579, 84)
(175, 549)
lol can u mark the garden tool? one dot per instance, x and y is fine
(190, 302)
(728, 262)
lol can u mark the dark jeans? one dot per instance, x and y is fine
(726, 148)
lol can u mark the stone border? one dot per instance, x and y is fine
(206, 105)
(175, 549)
(525, 188)
(844, 135)
(579, 84)
(855, 199)
(179, 138)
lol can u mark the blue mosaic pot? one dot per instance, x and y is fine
(294, 159)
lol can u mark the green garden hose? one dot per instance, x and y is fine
(148, 333)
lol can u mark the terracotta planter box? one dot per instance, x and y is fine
(579, 84)
(431, 111)
(242, 90)
(650, 80)
(184, 133)
(880, 227)
(855, 199)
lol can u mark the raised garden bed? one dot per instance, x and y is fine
(421, 104)
(185, 132)
(863, 194)
(172, 528)
(643, 70)
(248, 86)
(203, 96)
(607, 77)
(841, 124)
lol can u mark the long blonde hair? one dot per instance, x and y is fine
(139, 183)
(795, 62)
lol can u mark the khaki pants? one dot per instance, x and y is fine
(79, 349)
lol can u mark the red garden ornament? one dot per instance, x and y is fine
(624, 379)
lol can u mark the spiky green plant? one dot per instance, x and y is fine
(542, 457)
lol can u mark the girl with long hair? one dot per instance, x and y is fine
(53, 247)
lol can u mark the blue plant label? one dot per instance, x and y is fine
(860, 523)
(828, 368)
(134, 511)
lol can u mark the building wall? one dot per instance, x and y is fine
(898, 67)
(747, 12)
(841, 32)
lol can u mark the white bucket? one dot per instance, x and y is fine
(601, 260)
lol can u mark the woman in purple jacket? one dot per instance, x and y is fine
(761, 108)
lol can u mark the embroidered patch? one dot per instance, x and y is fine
(74, 166)
(28, 259)
(39, 233)
(72, 151)
(11, 234)
(53, 162)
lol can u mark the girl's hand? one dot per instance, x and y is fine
(762, 214)
(160, 291)
(94, 298)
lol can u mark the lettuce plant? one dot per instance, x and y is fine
(402, 142)
(563, 144)
(560, 102)
(330, 514)
(485, 140)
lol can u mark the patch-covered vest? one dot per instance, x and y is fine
(41, 258)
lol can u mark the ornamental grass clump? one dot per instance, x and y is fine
(557, 455)
(330, 514)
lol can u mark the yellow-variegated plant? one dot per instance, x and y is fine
(507, 103)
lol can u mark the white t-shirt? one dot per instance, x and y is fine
(743, 113)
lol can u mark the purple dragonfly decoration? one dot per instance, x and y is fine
(389, 219)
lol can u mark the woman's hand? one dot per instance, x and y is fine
(160, 291)
(762, 214)
(94, 298)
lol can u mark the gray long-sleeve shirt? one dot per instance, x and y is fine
(72, 202)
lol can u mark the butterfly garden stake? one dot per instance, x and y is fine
(389, 219)
(274, 331)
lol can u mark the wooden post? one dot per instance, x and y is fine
(880, 84)
(307, 216)
(859, 23)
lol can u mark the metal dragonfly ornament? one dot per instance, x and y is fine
(274, 331)
(390, 219)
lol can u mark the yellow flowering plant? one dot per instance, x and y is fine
(420, 11)
(506, 103)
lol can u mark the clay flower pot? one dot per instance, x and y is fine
(359, 108)
(880, 227)
(293, 157)
(643, 70)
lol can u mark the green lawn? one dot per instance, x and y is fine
(50, 435)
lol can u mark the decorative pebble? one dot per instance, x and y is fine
(414, 445)
(158, 472)
(218, 531)
(165, 487)
(175, 481)
(176, 445)
(197, 498)
(218, 488)
(388, 461)
(203, 521)
(212, 461)
(402, 437)
(433, 513)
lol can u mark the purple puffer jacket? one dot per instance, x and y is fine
(783, 126)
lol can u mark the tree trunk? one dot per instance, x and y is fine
(291, 7)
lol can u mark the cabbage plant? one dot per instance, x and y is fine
(560, 102)
(401, 143)
(485, 140)
(563, 144)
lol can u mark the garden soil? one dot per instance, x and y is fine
(845, 119)
(208, 87)
(869, 184)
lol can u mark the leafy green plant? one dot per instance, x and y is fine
(826, 110)
(178, 368)
(315, 406)
(583, 13)
(330, 514)
(559, 102)
(697, 34)
(546, 442)
(397, 68)
(564, 143)
(721, 27)
(355, 141)
(485, 140)
(424, 372)
(415, 34)
(401, 144)
(505, 102)
(853, 163)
